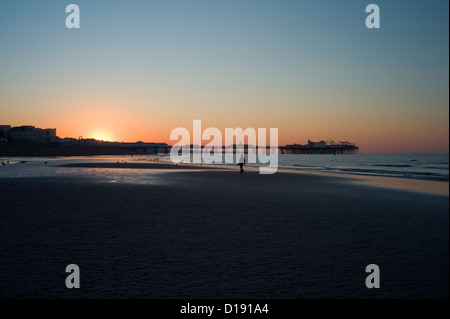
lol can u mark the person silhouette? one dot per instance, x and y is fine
(242, 162)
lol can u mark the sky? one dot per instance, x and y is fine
(136, 70)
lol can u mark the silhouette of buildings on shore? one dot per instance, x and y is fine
(27, 134)
(33, 135)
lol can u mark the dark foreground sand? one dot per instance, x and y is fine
(220, 234)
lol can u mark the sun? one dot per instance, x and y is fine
(102, 136)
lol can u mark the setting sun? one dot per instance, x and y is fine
(101, 136)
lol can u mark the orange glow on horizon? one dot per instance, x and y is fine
(124, 118)
(101, 136)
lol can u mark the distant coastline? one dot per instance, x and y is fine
(35, 150)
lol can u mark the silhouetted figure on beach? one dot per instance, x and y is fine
(45, 163)
(241, 163)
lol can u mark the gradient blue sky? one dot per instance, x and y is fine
(137, 69)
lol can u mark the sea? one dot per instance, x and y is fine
(429, 167)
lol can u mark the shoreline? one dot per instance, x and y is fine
(396, 183)
(414, 185)
(126, 165)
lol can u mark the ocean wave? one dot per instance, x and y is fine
(309, 166)
(403, 174)
(420, 175)
(392, 165)
(434, 167)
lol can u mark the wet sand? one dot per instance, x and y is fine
(220, 234)
(155, 165)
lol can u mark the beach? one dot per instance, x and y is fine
(216, 233)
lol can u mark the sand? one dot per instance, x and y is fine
(140, 165)
(220, 234)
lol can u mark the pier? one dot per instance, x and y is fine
(146, 148)
(322, 147)
(310, 148)
(90, 147)
(345, 148)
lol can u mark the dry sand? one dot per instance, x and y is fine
(221, 234)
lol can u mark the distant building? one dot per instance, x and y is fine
(321, 147)
(55, 140)
(90, 142)
(320, 144)
(50, 133)
(4, 129)
(69, 141)
(27, 134)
